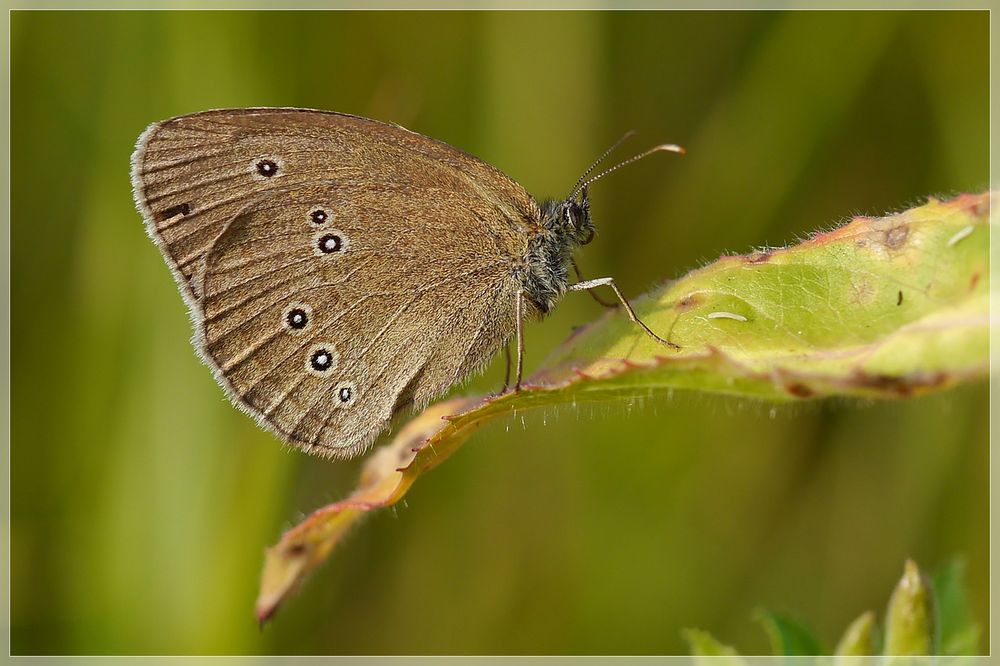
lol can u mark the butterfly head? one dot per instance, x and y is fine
(565, 226)
(570, 219)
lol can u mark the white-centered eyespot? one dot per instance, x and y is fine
(296, 318)
(319, 215)
(344, 394)
(330, 242)
(266, 167)
(322, 359)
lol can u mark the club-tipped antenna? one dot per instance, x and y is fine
(628, 135)
(664, 147)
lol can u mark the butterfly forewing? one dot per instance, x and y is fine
(193, 174)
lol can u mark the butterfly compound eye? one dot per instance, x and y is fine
(572, 215)
(568, 216)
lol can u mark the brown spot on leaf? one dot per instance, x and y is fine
(799, 390)
(900, 386)
(687, 302)
(899, 298)
(895, 237)
(974, 282)
(862, 292)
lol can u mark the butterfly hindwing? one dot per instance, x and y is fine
(325, 287)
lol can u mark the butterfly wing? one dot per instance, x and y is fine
(373, 270)
(192, 174)
(325, 330)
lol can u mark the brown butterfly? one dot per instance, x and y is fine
(340, 269)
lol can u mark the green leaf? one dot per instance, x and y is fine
(880, 308)
(909, 627)
(957, 633)
(703, 644)
(788, 637)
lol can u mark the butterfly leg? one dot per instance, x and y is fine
(506, 375)
(610, 282)
(593, 294)
(519, 313)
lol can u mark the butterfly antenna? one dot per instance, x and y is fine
(665, 147)
(576, 188)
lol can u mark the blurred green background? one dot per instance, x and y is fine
(142, 502)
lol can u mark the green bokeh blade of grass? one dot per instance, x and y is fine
(956, 631)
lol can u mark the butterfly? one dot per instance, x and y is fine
(339, 270)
